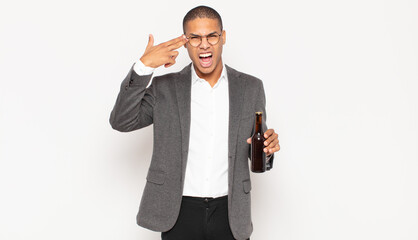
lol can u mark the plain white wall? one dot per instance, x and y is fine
(340, 80)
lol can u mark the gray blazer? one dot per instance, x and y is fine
(166, 104)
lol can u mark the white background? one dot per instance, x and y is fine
(341, 85)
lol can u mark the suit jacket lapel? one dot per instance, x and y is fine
(236, 99)
(183, 86)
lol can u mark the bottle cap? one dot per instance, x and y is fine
(259, 113)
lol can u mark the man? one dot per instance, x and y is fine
(198, 184)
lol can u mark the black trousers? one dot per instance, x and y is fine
(201, 219)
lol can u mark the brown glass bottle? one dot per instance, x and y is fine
(258, 156)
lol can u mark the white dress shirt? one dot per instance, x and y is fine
(207, 162)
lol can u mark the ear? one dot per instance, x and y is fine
(223, 37)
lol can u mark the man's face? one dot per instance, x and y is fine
(205, 57)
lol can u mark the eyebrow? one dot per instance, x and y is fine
(196, 35)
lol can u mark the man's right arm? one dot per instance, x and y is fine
(134, 106)
(135, 103)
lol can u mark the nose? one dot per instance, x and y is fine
(205, 44)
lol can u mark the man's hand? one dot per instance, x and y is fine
(271, 143)
(162, 54)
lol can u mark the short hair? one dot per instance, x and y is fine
(201, 12)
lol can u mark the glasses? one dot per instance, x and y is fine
(196, 40)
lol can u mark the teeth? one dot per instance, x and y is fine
(205, 55)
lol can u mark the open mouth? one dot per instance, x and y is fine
(205, 59)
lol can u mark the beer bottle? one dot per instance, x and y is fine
(258, 156)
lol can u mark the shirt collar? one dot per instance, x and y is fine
(224, 76)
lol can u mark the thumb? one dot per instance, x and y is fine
(249, 140)
(150, 41)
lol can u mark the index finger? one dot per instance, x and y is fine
(268, 132)
(176, 42)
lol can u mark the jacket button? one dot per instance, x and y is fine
(126, 87)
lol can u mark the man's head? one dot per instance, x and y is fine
(203, 27)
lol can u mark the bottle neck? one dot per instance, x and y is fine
(258, 123)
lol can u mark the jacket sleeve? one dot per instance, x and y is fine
(135, 103)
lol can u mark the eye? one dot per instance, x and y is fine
(194, 37)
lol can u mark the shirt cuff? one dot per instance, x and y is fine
(142, 70)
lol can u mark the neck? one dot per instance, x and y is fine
(212, 77)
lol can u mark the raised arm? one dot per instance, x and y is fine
(135, 103)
